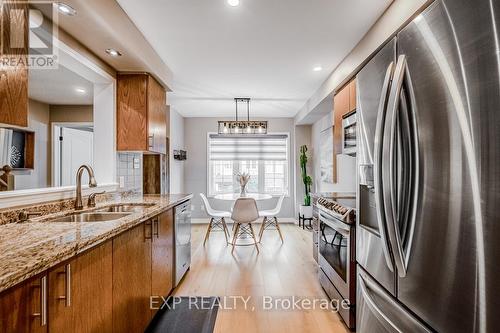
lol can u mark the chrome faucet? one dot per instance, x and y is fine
(92, 183)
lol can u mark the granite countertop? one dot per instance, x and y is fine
(29, 248)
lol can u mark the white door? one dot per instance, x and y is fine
(77, 148)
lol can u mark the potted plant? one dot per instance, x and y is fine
(305, 210)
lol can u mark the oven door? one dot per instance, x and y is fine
(335, 247)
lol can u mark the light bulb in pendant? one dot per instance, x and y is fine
(236, 129)
(226, 130)
(261, 129)
(249, 129)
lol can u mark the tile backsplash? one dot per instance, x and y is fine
(129, 172)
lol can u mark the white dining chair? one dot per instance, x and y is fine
(244, 213)
(217, 219)
(270, 218)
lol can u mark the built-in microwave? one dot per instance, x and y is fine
(349, 133)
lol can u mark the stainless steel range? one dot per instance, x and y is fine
(337, 258)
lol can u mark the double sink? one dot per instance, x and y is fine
(105, 214)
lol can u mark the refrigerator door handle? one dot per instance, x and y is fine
(390, 147)
(377, 167)
(376, 311)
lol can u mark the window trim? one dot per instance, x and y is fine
(288, 173)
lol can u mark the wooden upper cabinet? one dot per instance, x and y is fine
(141, 114)
(343, 102)
(14, 79)
(162, 254)
(132, 279)
(352, 95)
(23, 308)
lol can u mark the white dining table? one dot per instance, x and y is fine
(235, 196)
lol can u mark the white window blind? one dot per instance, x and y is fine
(270, 147)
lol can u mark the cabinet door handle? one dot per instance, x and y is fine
(43, 301)
(157, 232)
(67, 297)
(150, 225)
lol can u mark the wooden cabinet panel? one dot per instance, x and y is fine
(352, 95)
(157, 114)
(141, 114)
(131, 120)
(80, 293)
(163, 254)
(14, 79)
(343, 103)
(132, 279)
(21, 307)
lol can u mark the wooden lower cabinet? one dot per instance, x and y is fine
(162, 254)
(106, 289)
(80, 293)
(132, 279)
(23, 308)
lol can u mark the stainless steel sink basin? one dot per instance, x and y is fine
(131, 208)
(90, 217)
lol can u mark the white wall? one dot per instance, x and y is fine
(195, 176)
(346, 165)
(38, 121)
(176, 143)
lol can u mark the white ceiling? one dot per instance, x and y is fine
(58, 86)
(263, 49)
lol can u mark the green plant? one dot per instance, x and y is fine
(305, 178)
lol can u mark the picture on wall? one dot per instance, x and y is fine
(326, 155)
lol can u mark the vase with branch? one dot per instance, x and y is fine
(243, 178)
(306, 208)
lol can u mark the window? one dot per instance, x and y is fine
(265, 158)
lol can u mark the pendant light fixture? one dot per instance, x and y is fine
(242, 127)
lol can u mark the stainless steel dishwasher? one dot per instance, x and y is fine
(182, 231)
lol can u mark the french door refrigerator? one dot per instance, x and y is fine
(428, 229)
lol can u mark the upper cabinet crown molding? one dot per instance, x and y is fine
(141, 113)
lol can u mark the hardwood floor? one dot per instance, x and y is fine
(280, 270)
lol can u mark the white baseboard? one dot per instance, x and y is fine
(206, 220)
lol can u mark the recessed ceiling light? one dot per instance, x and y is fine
(80, 90)
(65, 9)
(113, 52)
(233, 3)
(318, 69)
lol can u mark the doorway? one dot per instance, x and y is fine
(73, 145)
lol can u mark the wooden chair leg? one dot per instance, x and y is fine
(226, 232)
(278, 227)
(236, 228)
(261, 231)
(253, 236)
(208, 230)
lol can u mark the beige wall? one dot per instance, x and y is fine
(71, 113)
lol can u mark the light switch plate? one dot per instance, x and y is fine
(122, 182)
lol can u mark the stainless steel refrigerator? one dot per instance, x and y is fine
(428, 229)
